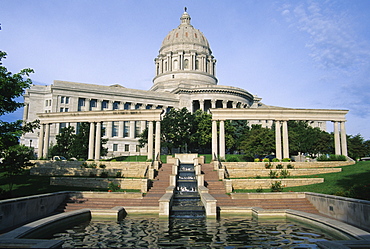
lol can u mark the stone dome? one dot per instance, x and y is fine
(185, 33)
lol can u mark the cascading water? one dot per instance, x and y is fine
(186, 201)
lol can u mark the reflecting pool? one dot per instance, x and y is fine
(226, 232)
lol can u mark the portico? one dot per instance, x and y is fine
(280, 116)
(95, 119)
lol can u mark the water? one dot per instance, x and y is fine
(186, 200)
(152, 232)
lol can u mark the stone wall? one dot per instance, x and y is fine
(266, 183)
(352, 211)
(297, 165)
(238, 173)
(18, 211)
(75, 168)
(140, 184)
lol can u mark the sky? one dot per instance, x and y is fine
(296, 54)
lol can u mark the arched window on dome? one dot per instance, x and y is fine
(186, 64)
(175, 65)
(197, 65)
(157, 68)
(165, 67)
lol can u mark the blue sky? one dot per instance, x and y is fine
(298, 54)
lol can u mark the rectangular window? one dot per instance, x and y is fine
(93, 103)
(115, 129)
(61, 109)
(46, 102)
(127, 147)
(81, 103)
(137, 128)
(115, 105)
(137, 148)
(103, 129)
(66, 109)
(115, 147)
(67, 100)
(62, 99)
(104, 104)
(126, 128)
(127, 106)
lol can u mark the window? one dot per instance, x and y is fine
(46, 102)
(104, 104)
(81, 103)
(137, 148)
(115, 129)
(127, 106)
(61, 109)
(186, 64)
(196, 65)
(115, 105)
(62, 99)
(103, 129)
(127, 147)
(115, 147)
(67, 100)
(66, 109)
(93, 103)
(137, 128)
(126, 128)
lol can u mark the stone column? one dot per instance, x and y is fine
(224, 104)
(157, 149)
(46, 141)
(214, 139)
(222, 139)
(285, 140)
(41, 142)
(234, 104)
(213, 103)
(201, 104)
(120, 128)
(132, 129)
(150, 140)
(98, 104)
(343, 138)
(278, 139)
(109, 129)
(91, 140)
(98, 141)
(336, 138)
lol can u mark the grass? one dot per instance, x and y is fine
(334, 183)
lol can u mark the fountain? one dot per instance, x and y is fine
(186, 200)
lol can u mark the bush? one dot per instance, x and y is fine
(266, 160)
(104, 174)
(257, 160)
(279, 166)
(284, 173)
(92, 174)
(113, 187)
(232, 158)
(289, 166)
(119, 174)
(276, 187)
(259, 190)
(273, 174)
(275, 160)
(102, 166)
(286, 160)
(331, 158)
(268, 165)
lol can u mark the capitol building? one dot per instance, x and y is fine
(185, 76)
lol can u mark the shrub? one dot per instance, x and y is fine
(284, 173)
(104, 174)
(257, 160)
(119, 174)
(273, 174)
(232, 158)
(331, 158)
(279, 166)
(113, 187)
(289, 166)
(102, 166)
(286, 160)
(268, 165)
(266, 160)
(92, 174)
(276, 187)
(275, 160)
(259, 190)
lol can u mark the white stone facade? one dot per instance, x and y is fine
(185, 77)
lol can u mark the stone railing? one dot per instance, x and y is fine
(296, 165)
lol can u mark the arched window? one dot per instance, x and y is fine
(175, 65)
(165, 66)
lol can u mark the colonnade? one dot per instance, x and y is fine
(281, 139)
(95, 120)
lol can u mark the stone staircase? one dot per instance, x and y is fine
(217, 190)
(160, 183)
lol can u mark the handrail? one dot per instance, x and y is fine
(221, 166)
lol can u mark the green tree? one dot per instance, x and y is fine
(239, 129)
(201, 136)
(65, 141)
(357, 146)
(258, 141)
